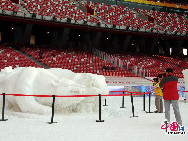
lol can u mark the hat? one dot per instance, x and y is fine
(160, 76)
(169, 70)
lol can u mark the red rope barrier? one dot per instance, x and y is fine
(125, 91)
(113, 94)
(117, 95)
(74, 95)
(30, 95)
(124, 94)
(117, 91)
(136, 93)
(51, 95)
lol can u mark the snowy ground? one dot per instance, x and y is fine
(118, 126)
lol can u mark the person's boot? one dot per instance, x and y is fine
(156, 111)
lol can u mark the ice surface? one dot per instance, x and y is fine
(117, 125)
(39, 81)
(80, 126)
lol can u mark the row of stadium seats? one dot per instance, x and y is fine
(105, 14)
(178, 61)
(170, 21)
(150, 64)
(120, 16)
(10, 57)
(77, 61)
(8, 5)
(58, 9)
(82, 62)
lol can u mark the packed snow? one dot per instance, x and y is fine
(77, 122)
(117, 125)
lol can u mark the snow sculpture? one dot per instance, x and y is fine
(39, 81)
(185, 73)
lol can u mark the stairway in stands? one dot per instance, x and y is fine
(31, 58)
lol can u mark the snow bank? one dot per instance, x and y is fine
(117, 125)
(185, 73)
(39, 81)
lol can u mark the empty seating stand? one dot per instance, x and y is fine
(60, 9)
(81, 62)
(172, 22)
(10, 57)
(77, 61)
(150, 64)
(177, 60)
(106, 15)
(120, 16)
(7, 7)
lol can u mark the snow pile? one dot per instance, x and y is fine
(56, 81)
(185, 73)
(83, 127)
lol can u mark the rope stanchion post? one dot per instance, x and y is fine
(123, 101)
(144, 102)
(132, 106)
(3, 109)
(149, 103)
(105, 102)
(166, 125)
(99, 110)
(52, 118)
